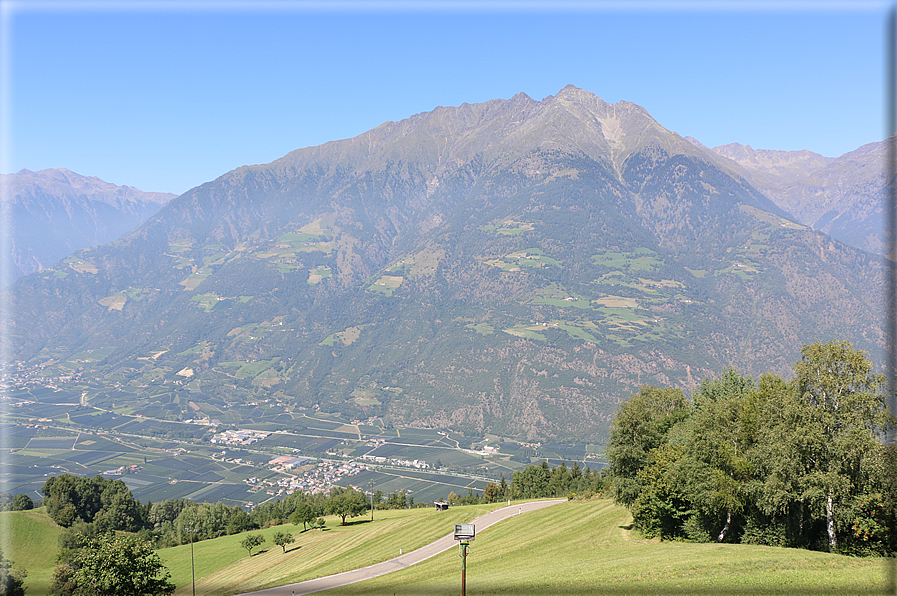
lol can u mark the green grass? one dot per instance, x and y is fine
(386, 284)
(575, 548)
(224, 567)
(641, 259)
(584, 548)
(30, 540)
(482, 328)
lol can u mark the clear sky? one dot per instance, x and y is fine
(164, 96)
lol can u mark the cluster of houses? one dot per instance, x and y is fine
(20, 375)
(286, 462)
(123, 470)
(320, 479)
(239, 437)
(204, 421)
(416, 463)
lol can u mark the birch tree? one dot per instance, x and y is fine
(846, 411)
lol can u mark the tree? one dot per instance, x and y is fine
(123, 565)
(641, 425)
(22, 502)
(12, 581)
(282, 539)
(492, 493)
(252, 541)
(346, 502)
(303, 514)
(846, 410)
(718, 437)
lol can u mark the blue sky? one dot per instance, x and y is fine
(165, 96)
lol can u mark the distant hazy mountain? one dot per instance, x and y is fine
(841, 196)
(55, 212)
(515, 266)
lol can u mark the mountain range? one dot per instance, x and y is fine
(843, 197)
(516, 267)
(54, 212)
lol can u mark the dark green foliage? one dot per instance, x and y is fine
(108, 503)
(397, 500)
(346, 502)
(120, 565)
(304, 514)
(641, 426)
(776, 463)
(282, 539)
(12, 580)
(21, 502)
(540, 481)
(252, 541)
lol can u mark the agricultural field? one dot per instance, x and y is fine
(164, 459)
(641, 259)
(386, 284)
(509, 227)
(529, 257)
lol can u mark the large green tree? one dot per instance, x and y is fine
(846, 410)
(346, 502)
(120, 565)
(640, 426)
(718, 437)
(303, 514)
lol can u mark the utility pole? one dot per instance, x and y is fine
(192, 568)
(372, 499)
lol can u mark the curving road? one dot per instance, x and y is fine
(378, 569)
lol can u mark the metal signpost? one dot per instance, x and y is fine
(464, 533)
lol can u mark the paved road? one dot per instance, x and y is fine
(432, 549)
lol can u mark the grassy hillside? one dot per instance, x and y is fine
(29, 539)
(585, 548)
(224, 567)
(569, 549)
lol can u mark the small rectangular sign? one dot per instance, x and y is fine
(464, 531)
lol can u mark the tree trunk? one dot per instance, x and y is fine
(830, 522)
(722, 534)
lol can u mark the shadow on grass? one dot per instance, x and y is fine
(356, 522)
(627, 527)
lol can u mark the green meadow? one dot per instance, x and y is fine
(30, 540)
(585, 548)
(575, 548)
(224, 567)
